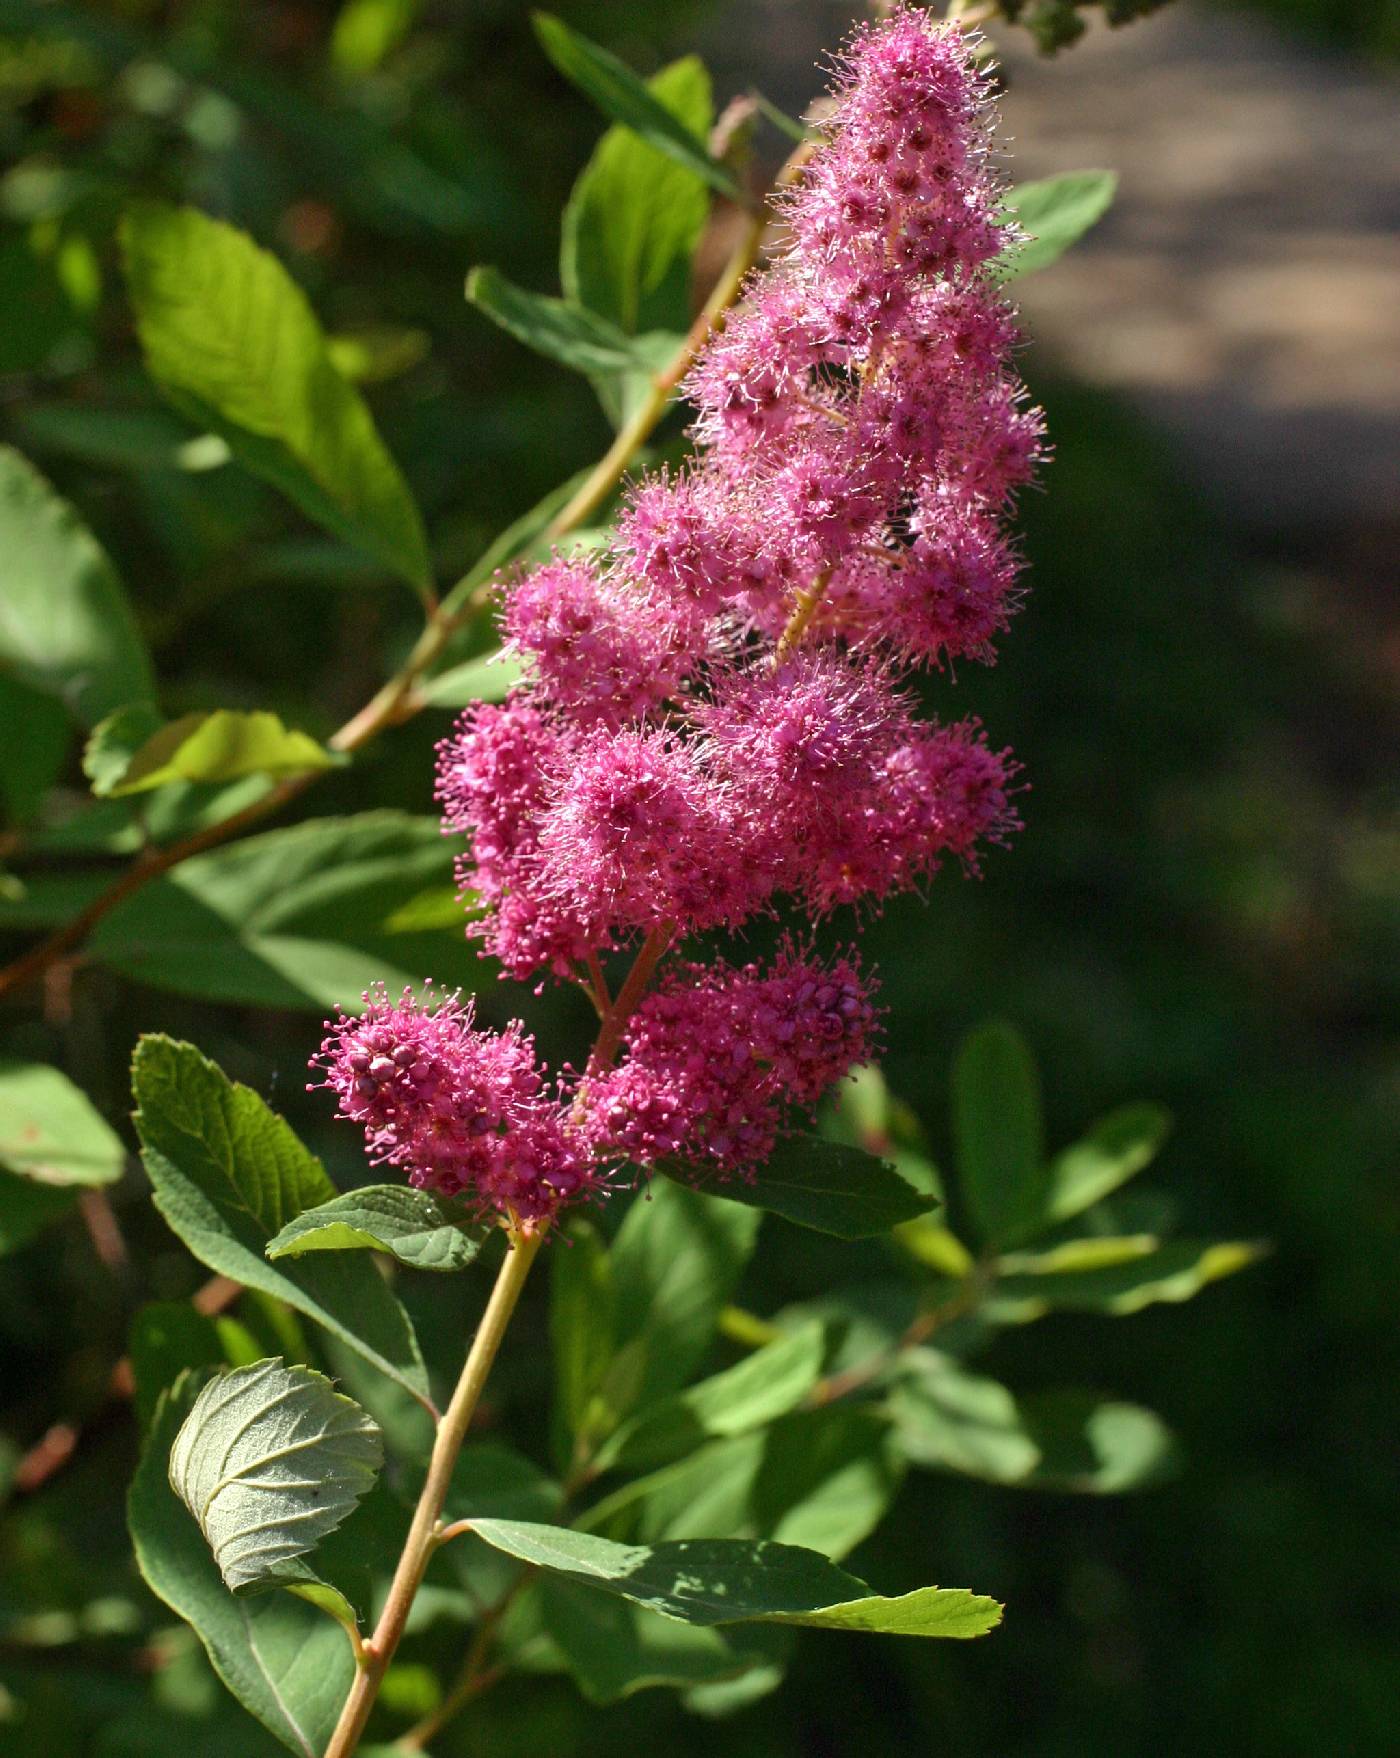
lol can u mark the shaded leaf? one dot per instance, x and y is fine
(414, 1226)
(582, 1328)
(965, 1422)
(228, 1175)
(725, 1581)
(556, 328)
(26, 1208)
(998, 1131)
(168, 1336)
(66, 628)
(232, 341)
(1111, 1152)
(308, 917)
(831, 1188)
(283, 1660)
(618, 93)
(1054, 212)
(50, 1131)
(269, 1460)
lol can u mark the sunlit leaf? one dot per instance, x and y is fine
(414, 1226)
(1054, 212)
(126, 756)
(50, 1131)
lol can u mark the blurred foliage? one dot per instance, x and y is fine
(1204, 909)
(1370, 26)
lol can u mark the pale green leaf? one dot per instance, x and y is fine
(284, 1661)
(50, 1130)
(725, 1581)
(488, 679)
(413, 1226)
(123, 757)
(269, 1460)
(1054, 212)
(232, 341)
(66, 628)
(831, 1188)
(620, 94)
(365, 31)
(1172, 1272)
(1113, 1150)
(228, 1175)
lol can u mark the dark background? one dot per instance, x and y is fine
(1204, 909)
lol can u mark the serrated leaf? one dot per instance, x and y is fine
(307, 917)
(232, 341)
(284, 1661)
(1054, 212)
(830, 1188)
(620, 94)
(675, 1261)
(725, 1581)
(557, 328)
(635, 217)
(1111, 1152)
(413, 1226)
(749, 1395)
(228, 1174)
(998, 1131)
(1172, 1272)
(947, 1417)
(126, 756)
(66, 628)
(51, 1132)
(269, 1460)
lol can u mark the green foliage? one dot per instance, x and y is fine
(557, 328)
(307, 917)
(618, 93)
(412, 1226)
(66, 628)
(232, 341)
(282, 1658)
(269, 1461)
(168, 1336)
(122, 757)
(998, 1129)
(728, 1581)
(635, 216)
(50, 1131)
(1054, 213)
(831, 1189)
(228, 1175)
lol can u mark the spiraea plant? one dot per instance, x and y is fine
(705, 718)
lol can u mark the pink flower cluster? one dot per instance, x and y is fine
(717, 715)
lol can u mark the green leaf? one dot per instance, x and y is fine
(365, 31)
(26, 1208)
(228, 1174)
(618, 93)
(1027, 1289)
(232, 341)
(831, 1188)
(998, 1131)
(821, 1478)
(285, 1662)
(269, 1460)
(1114, 1150)
(168, 1336)
(488, 679)
(1054, 212)
(35, 734)
(124, 756)
(635, 216)
(66, 628)
(50, 1130)
(413, 1226)
(614, 1649)
(556, 328)
(947, 1417)
(582, 1329)
(728, 1581)
(308, 917)
(749, 1395)
(676, 1259)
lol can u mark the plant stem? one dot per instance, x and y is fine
(615, 1019)
(423, 1535)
